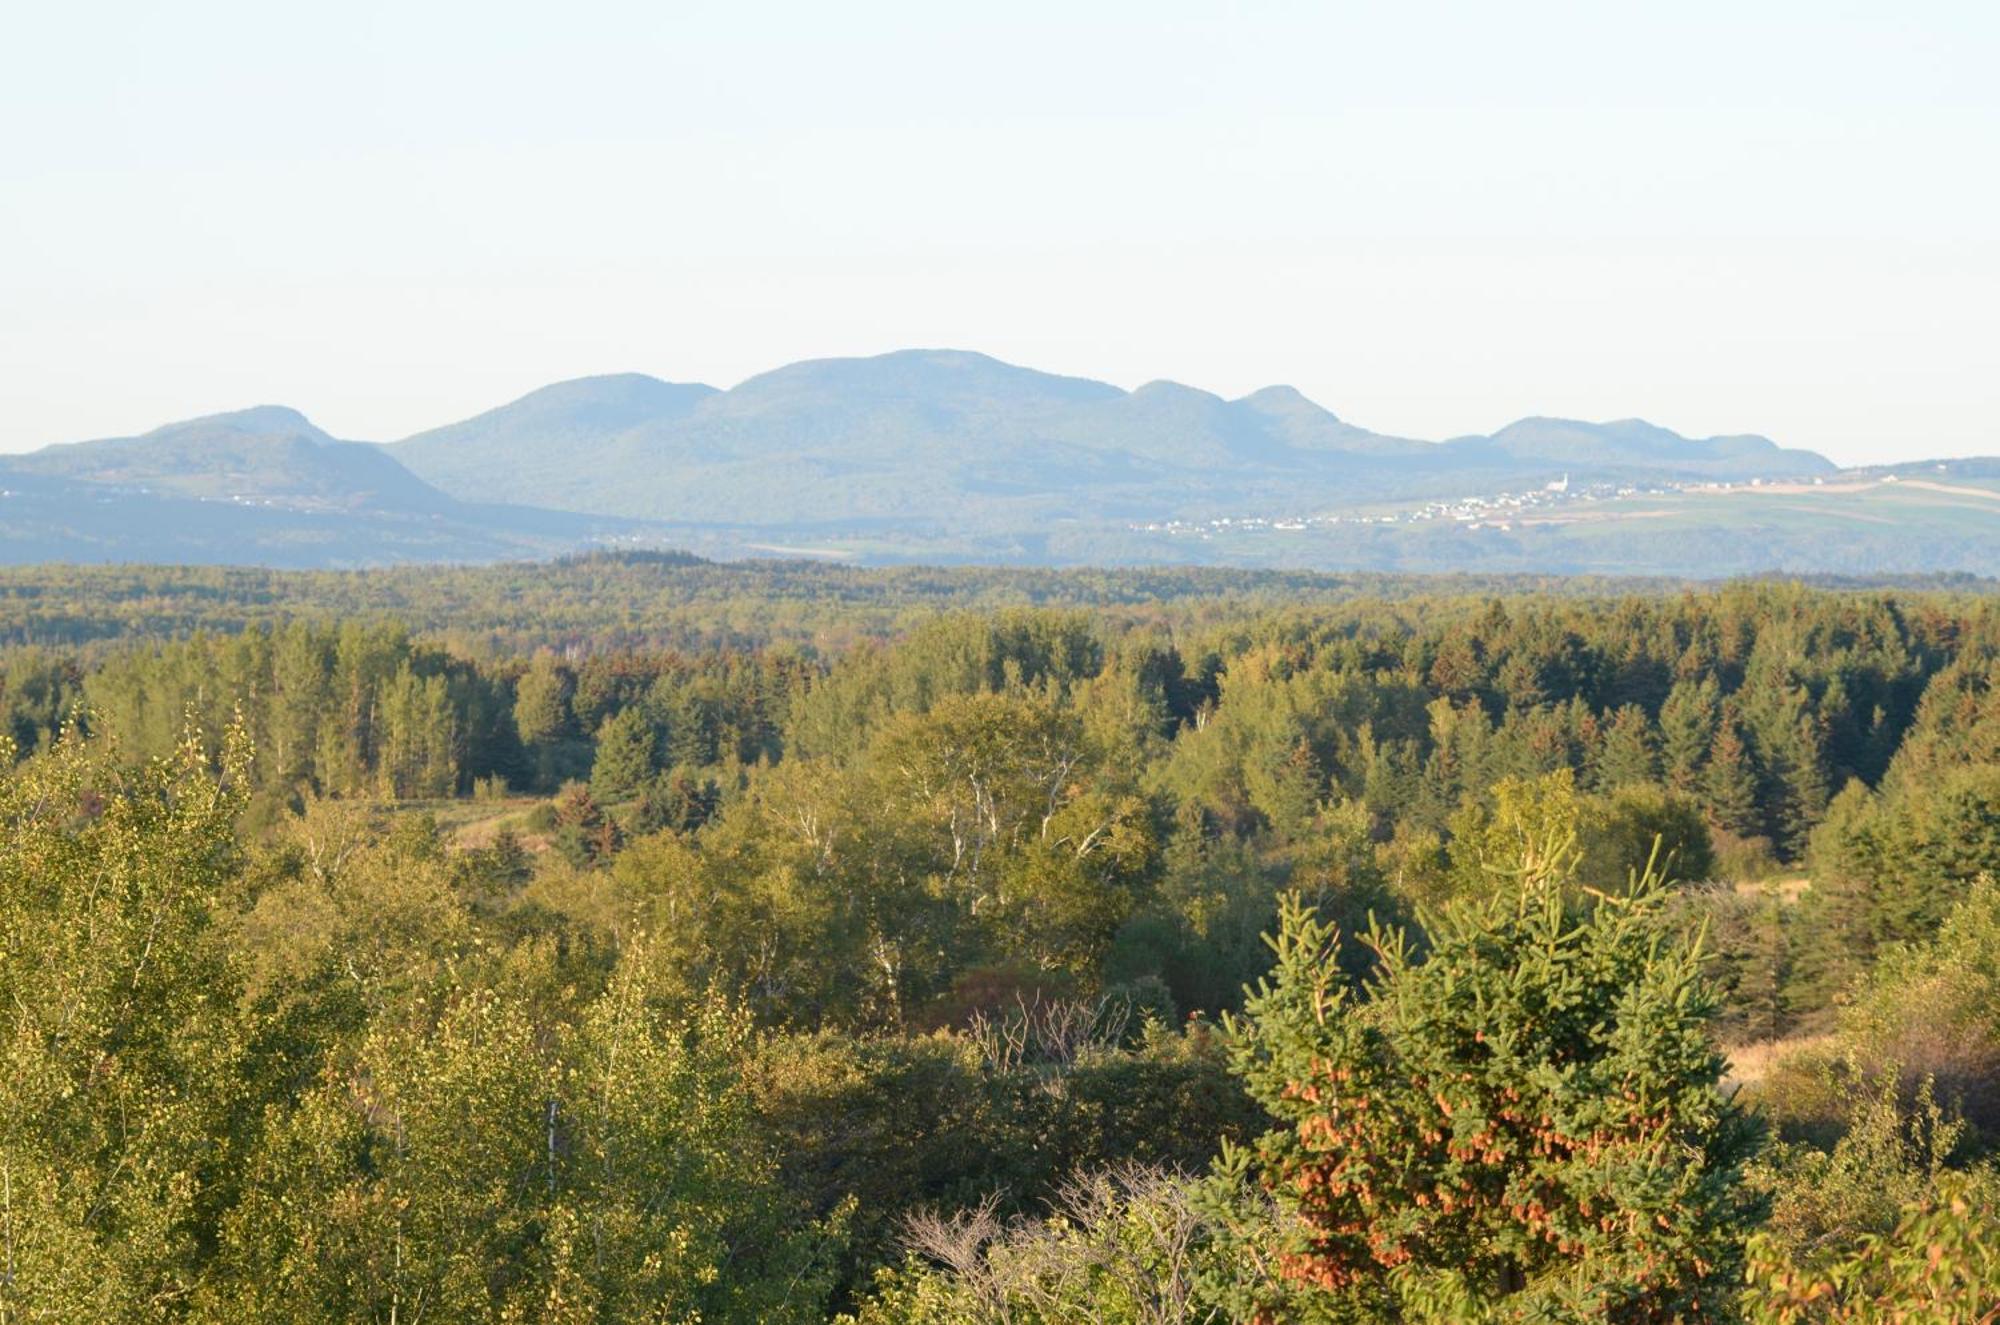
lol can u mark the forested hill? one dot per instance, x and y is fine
(265, 455)
(261, 486)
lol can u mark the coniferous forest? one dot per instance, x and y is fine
(642, 939)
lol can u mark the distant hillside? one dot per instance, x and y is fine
(1633, 448)
(947, 439)
(260, 486)
(268, 455)
(942, 456)
(512, 452)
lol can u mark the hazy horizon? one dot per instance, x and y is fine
(314, 417)
(1431, 221)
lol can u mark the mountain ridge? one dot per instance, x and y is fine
(264, 486)
(932, 430)
(271, 454)
(948, 455)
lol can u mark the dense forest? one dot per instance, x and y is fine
(640, 938)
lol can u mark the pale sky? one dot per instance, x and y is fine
(1432, 218)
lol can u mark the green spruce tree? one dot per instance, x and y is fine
(1517, 1121)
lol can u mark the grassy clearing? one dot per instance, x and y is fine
(1750, 1063)
(1787, 889)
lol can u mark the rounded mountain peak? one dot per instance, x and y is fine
(258, 420)
(1283, 398)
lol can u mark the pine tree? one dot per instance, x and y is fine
(1846, 747)
(691, 731)
(1764, 988)
(678, 801)
(509, 861)
(1624, 753)
(1285, 787)
(541, 701)
(584, 833)
(1521, 1123)
(1462, 750)
(1457, 669)
(1800, 796)
(1729, 784)
(1688, 720)
(625, 755)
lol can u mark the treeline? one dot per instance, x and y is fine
(677, 601)
(341, 1072)
(1141, 794)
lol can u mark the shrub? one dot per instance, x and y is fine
(1940, 1265)
(1127, 1244)
(1931, 1012)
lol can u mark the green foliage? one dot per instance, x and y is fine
(1940, 1265)
(122, 1055)
(1011, 1114)
(1888, 1221)
(1623, 831)
(626, 755)
(1752, 936)
(584, 833)
(1932, 1011)
(464, 1164)
(541, 700)
(1521, 1120)
(1729, 783)
(1688, 722)
(1890, 1153)
(39, 691)
(1126, 1247)
(1625, 755)
(1888, 866)
(866, 910)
